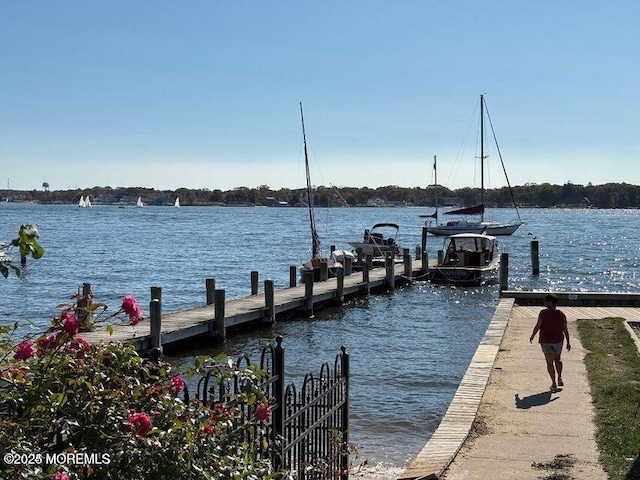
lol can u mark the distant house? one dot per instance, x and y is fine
(375, 202)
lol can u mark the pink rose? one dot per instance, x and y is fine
(208, 430)
(177, 384)
(71, 325)
(130, 307)
(262, 412)
(46, 343)
(61, 476)
(140, 423)
(24, 350)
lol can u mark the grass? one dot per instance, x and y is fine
(613, 369)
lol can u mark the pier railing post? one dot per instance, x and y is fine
(368, 259)
(389, 266)
(254, 283)
(293, 276)
(359, 255)
(365, 278)
(406, 258)
(155, 319)
(535, 258)
(83, 302)
(210, 286)
(269, 301)
(504, 271)
(418, 252)
(340, 285)
(308, 292)
(218, 327)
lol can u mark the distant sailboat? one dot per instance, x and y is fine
(139, 203)
(87, 202)
(177, 204)
(82, 203)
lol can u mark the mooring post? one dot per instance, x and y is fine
(365, 278)
(332, 248)
(406, 258)
(359, 255)
(440, 256)
(535, 258)
(418, 252)
(218, 328)
(83, 302)
(293, 276)
(155, 318)
(504, 271)
(389, 266)
(368, 259)
(210, 286)
(269, 300)
(348, 266)
(340, 284)
(425, 255)
(308, 292)
(254, 283)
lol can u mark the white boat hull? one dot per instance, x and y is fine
(490, 228)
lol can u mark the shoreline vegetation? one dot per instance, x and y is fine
(613, 370)
(569, 195)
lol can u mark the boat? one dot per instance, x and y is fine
(139, 203)
(177, 202)
(318, 264)
(468, 260)
(474, 226)
(379, 241)
(82, 203)
(87, 202)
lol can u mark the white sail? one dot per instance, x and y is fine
(82, 202)
(177, 204)
(87, 202)
(139, 203)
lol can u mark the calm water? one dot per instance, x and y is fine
(409, 349)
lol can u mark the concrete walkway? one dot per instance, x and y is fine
(522, 430)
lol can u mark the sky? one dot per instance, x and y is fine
(206, 94)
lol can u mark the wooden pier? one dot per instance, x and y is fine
(217, 315)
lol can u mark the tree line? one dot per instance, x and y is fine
(545, 195)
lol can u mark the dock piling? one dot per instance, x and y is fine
(504, 271)
(269, 298)
(535, 258)
(218, 327)
(254, 283)
(406, 258)
(425, 256)
(308, 292)
(365, 278)
(293, 276)
(340, 285)
(389, 266)
(155, 319)
(210, 286)
(348, 266)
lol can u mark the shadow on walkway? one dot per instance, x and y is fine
(534, 400)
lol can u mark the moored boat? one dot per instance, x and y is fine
(379, 241)
(468, 259)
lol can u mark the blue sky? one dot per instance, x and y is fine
(205, 94)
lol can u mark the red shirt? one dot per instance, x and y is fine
(552, 326)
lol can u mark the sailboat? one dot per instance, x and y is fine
(318, 263)
(177, 202)
(82, 203)
(87, 202)
(474, 226)
(139, 203)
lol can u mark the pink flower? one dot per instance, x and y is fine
(46, 343)
(24, 350)
(140, 423)
(71, 325)
(130, 307)
(177, 384)
(208, 430)
(262, 412)
(61, 476)
(80, 346)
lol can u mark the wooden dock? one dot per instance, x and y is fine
(271, 305)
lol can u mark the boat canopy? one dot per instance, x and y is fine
(475, 210)
(381, 225)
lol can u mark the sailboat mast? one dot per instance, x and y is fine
(315, 241)
(435, 179)
(482, 156)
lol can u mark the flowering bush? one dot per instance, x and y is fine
(27, 244)
(71, 410)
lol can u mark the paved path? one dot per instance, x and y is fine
(521, 429)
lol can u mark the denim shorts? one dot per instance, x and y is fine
(551, 347)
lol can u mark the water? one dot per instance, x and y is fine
(409, 349)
